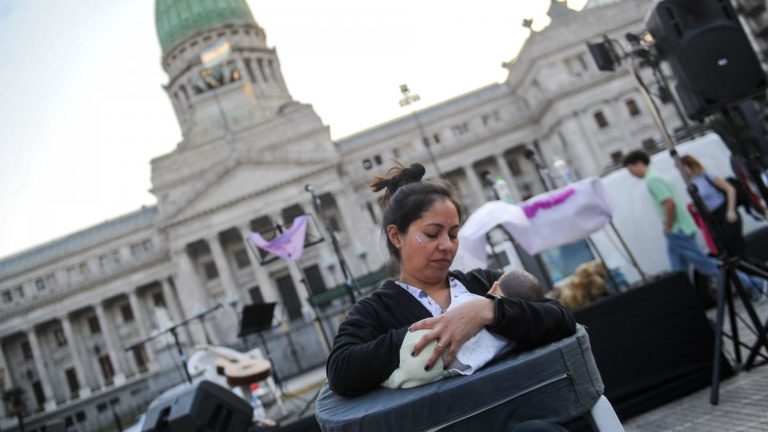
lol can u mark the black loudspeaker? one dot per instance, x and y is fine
(709, 53)
(204, 407)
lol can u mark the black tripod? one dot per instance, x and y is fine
(730, 263)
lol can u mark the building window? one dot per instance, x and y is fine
(649, 145)
(26, 350)
(377, 159)
(209, 268)
(126, 312)
(140, 357)
(460, 129)
(514, 166)
(116, 256)
(241, 258)
(106, 369)
(20, 291)
(40, 285)
(103, 262)
(147, 245)
(58, 334)
(74, 386)
(436, 138)
(80, 416)
(135, 250)
(93, 325)
(82, 268)
(617, 156)
(255, 294)
(158, 299)
(600, 120)
(7, 297)
(632, 107)
(491, 118)
(367, 164)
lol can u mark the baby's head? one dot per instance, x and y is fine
(518, 283)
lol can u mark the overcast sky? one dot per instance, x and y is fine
(82, 109)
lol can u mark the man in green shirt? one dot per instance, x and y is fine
(679, 227)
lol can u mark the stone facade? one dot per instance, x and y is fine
(75, 313)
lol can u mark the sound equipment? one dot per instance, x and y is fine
(204, 407)
(709, 53)
(653, 344)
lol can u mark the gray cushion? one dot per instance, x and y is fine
(555, 383)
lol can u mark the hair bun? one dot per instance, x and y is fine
(399, 177)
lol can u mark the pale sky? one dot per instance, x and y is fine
(82, 109)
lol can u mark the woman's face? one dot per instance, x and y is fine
(428, 247)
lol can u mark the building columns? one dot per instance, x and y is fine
(476, 188)
(74, 352)
(107, 330)
(506, 174)
(191, 292)
(268, 289)
(42, 374)
(224, 269)
(143, 323)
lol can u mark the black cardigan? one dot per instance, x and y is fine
(366, 349)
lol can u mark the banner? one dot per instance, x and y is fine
(290, 244)
(543, 222)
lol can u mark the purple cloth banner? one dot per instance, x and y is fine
(290, 244)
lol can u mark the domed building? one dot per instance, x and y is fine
(85, 319)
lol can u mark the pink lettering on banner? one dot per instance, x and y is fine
(547, 203)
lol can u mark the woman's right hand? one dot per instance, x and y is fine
(731, 216)
(453, 328)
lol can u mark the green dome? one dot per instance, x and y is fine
(177, 19)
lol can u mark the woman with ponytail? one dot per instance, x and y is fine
(420, 224)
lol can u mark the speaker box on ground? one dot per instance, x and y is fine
(205, 407)
(709, 53)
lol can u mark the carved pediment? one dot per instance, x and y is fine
(240, 177)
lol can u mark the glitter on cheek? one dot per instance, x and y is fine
(419, 239)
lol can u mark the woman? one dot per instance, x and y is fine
(421, 223)
(719, 198)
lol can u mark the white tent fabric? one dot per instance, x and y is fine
(543, 222)
(564, 215)
(471, 253)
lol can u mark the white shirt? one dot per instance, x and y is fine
(480, 348)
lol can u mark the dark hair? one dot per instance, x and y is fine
(637, 156)
(407, 197)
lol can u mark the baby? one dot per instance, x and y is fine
(476, 352)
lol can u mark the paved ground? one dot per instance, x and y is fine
(743, 401)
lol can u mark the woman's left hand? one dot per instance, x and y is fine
(731, 216)
(453, 328)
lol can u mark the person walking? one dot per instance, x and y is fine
(680, 229)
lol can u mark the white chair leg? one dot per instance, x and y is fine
(605, 417)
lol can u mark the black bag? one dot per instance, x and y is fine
(743, 197)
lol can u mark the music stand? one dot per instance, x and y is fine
(257, 318)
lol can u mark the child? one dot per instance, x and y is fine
(476, 352)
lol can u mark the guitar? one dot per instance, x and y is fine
(239, 369)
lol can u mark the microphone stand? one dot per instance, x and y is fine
(350, 284)
(175, 335)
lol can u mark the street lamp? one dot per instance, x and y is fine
(409, 98)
